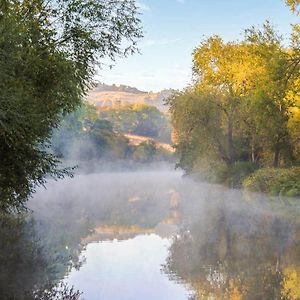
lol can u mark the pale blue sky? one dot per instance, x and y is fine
(173, 28)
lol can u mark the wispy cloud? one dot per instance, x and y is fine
(160, 42)
(181, 1)
(143, 6)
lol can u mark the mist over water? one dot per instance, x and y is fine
(154, 234)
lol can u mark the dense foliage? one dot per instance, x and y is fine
(243, 110)
(140, 119)
(284, 182)
(83, 137)
(88, 140)
(48, 52)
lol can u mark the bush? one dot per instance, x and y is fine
(145, 152)
(237, 173)
(218, 172)
(285, 182)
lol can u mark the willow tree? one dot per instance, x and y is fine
(241, 104)
(225, 73)
(48, 54)
(271, 106)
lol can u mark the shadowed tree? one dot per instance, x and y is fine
(48, 54)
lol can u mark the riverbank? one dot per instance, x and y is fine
(243, 175)
(275, 181)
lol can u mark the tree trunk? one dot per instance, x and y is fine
(222, 153)
(230, 142)
(254, 150)
(252, 153)
(276, 157)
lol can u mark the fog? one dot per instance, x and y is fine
(148, 184)
(199, 240)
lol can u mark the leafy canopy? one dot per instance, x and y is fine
(243, 108)
(48, 54)
(294, 5)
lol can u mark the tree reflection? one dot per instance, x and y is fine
(60, 292)
(235, 253)
(32, 263)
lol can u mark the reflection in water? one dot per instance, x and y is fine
(29, 267)
(108, 235)
(238, 251)
(128, 269)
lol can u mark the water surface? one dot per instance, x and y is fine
(127, 269)
(150, 235)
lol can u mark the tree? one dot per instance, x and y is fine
(225, 73)
(243, 104)
(294, 5)
(275, 100)
(48, 54)
(140, 119)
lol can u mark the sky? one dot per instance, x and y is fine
(173, 28)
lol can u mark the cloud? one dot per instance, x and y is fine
(143, 6)
(181, 1)
(160, 42)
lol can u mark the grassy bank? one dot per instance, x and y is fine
(275, 181)
(252, 177)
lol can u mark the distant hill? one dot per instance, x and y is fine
(102, 87)
(108, 96)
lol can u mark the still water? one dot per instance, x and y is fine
(128, 269)
(150, 235)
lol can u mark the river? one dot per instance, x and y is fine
(150, 235)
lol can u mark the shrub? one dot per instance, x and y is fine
(237, 173)
(284, 182)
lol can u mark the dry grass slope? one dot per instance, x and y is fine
(111, 96)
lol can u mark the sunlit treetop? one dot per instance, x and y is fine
(294, 5)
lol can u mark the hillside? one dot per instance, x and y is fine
(107, 96)
(138, 139)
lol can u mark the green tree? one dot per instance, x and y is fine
(243, 106)
(269, 101)
(71, 129)
(48, 53)
(139, 119)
